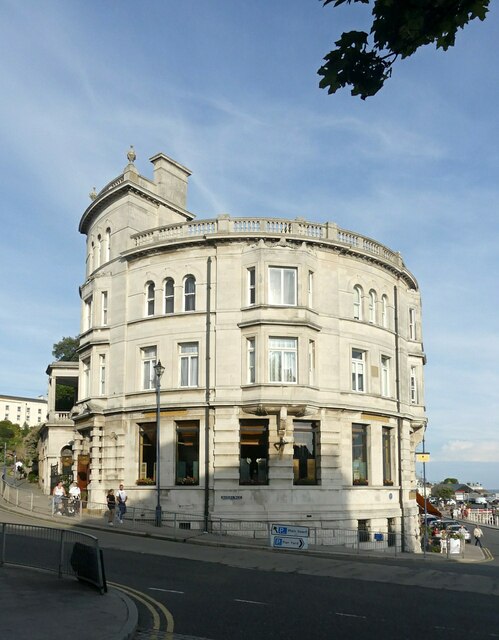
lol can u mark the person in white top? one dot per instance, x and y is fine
(75, 496)
(478, 533)
(122, 498)
(59, 493)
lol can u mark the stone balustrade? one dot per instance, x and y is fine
(326, 233)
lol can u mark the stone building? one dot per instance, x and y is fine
(23, 411)
(293, 363)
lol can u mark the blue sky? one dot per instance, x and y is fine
(229, 89)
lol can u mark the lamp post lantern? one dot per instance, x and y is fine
(159, 370)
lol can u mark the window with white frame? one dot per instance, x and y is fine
(412, 324)
(372, 306)
(358, 370)
(310, 289)
(413, 385)
(150, 294)
(251, 360)
(384, 311)
(311, 362)
(357, 303)
(385, 376)
(102, 374)
(104, 308)
(169, 295)
(148, 357)
(283, 359)
(189, 362)
(190, 293)
(282, 286)
(88, 313)
(251, 279)
(85, 378)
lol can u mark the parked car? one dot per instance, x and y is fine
(430, 519)
(461, 530)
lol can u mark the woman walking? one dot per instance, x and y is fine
(111, 506)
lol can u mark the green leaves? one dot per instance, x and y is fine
(351, 63)
(399, 28)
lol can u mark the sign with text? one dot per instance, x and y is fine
(288, 536)
(289, 542)
(289, 530)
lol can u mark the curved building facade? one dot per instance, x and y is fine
(293, 363)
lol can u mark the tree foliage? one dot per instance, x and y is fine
(443, 492)
(450, 481)
(364, 60)
(66, 349)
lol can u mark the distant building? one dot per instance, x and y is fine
(293, 354)
(20, 410)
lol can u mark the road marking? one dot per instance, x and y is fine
(165, 590)
(250, 601)
(150, 603)
(349, 615)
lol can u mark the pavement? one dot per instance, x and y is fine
(35, 605)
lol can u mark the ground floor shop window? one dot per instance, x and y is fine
(305, 452)
(254, 452)
(147, 453)
(387, 457)
(187, 463)
(359, 454)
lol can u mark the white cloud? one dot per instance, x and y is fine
(468, 451)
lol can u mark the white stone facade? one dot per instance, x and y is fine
(293, 355)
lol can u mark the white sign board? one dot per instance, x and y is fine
(287, 536)
(289, 530)
(288, 542)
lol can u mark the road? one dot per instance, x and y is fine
(222, 594)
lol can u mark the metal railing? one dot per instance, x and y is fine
(61, 551)
(181, 525)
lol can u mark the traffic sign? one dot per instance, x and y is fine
(288, 542)
(289, 530)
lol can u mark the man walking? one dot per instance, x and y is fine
(478, 533)
(122, 498)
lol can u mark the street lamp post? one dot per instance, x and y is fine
(159, 370)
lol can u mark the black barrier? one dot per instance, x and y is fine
(88, 564)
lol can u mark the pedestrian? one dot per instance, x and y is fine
(122, 498)
(478, 533)
(75, 497)
(111, 506)
(58, 493)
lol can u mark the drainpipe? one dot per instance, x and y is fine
(207, 400)
(399, 419)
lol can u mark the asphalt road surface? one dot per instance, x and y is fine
(223, 594)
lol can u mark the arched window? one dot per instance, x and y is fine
(150, 299)
(97, 251)
(357, 302)
(372, 306)
(169, 295)
(384, 311)
(190, 293)
(107, 252)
